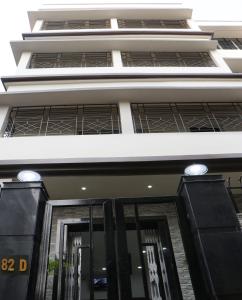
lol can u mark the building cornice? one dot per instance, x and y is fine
(116, 32)
(10, 79)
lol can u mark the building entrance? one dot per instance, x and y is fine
(121, 249)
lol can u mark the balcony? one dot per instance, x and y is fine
(129, 59)
(76, 24)
(71, 60)
(158, 24)
(167, 59)
(122, 23)
(63, 120)
(105, 119)
(185, 117)
(230, 44)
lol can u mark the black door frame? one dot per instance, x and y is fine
(43, 268)
(164, 234)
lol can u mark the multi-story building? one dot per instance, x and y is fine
(109, 104)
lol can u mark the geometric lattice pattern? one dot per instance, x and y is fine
(71, 60)
(133, 23)
(63, 120)
(76, 24)
(230, 44)
(151, 237)
(167, 59)
(186, 117)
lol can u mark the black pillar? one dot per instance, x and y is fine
(212, 237)
(21, 218)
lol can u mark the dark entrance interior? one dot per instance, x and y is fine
(122, 255)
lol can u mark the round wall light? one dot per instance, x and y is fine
(196, 169)
(28, 175)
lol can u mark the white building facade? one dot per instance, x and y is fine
(113, 101)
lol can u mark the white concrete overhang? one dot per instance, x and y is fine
(233, 59)
(113, 148)
(235, 64)
(82, 33)
(108, 43)
(37, 91)
(138, 11)
(222, 29)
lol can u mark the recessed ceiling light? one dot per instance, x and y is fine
(196, 169)
(144, 251)
(149, 186)
(83, 188)
(104, 269)
(28, 175)
(139, 267)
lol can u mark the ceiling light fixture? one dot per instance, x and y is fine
(196, 169)
(149, 186)
(83, 188)
(28, 175)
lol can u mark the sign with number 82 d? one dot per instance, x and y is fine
(14, 264)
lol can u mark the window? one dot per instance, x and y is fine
(232, 44)
(187, 117)
(63, 120)
(71, 60)
(168, 24)
(76, 24)
(167, 59)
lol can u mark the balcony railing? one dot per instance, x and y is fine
(168, 24)
(130, 59)
(71, 60)
(63, 120)
(230, 44)
(186, 117)
(76, 24)
(167, 59)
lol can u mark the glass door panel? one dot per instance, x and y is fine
(112, 251)
(153, 271)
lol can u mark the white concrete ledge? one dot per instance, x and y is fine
(109, 43)
(126, 10)
(122, 147)
(131, 90)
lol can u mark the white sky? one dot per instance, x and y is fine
(14, 21)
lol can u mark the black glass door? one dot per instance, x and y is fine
(145, 259)
(118, 251)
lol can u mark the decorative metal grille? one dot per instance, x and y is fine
(126, 23)
(71, 60)
(230, 44)
(63, 120)
(187, 117)
(167, 59)
(76, 24)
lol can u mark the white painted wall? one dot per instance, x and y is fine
(130, 90)
(4, 112)
(38, 25)
(126, 118)
(24, 61)
(124, 147)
